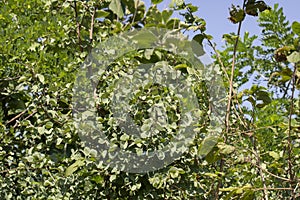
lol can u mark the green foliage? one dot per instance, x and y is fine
(236, 14)
(296, 28)
(116, 7)
(254, 7)
(42, 155)
(264, 109)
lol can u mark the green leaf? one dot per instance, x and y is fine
(72, 168)
(236, 14)
(211, 175)
(225, 148)
(174, 172)
(112, 177)
(181, 66)
(264, 96)
(116, 7)
(156, 1)
(41, 130)
(207, 145)
(41, 78)
(231, 39)
(175, 3)
(213, 156)
(197, 45)
(199, 38)
(124, 137)
(98, 179)
(294, 57)
(101, 13)
(148, 53)
(49, 125)
(145, 38)
(296, 28)
(228, 189)
(173, 23)
(192, 7)
(275, 155)
(248, 195)
(22, 79)
(166, 14)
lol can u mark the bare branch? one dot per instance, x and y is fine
(17, 116)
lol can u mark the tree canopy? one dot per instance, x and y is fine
(240, 114)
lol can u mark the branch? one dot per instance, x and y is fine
(17, 116)
(16, 124)
(230, 94)
(90, 70)
(271, 174)
(227, 77)
(10, 79)
(227, 124)
(219, 59)
(77, 26)
(92, 25)
(257, 189)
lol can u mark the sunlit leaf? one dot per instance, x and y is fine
(294, 57)
(116, 7)
(101, 13)
(156, 1)
(296, 28)
(274, 154)
(72, 168)
(207, 145)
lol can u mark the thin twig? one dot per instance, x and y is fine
(10, 79)
(271, 174)
(16, 124)
(30, 115)
(219, 59)
(227, 77)
(77, 26)
(230, 94)
(17, 116)
(257, 189)
(90, 69)
(256, 154)
(227, 124)
(92, 25)
(260, 169)
(135, 11)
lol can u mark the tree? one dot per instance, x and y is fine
(43, 154)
